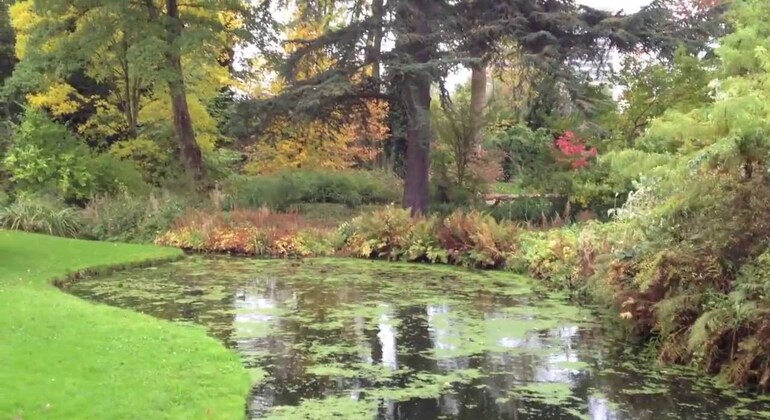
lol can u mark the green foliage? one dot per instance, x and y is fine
(606, 185)
(147, 155)
(7, 44)
(40, 216)
(331, 214)
(222, 163)
(281, 191)
(530, 209)
(550, 255)
(461, 168)
(382, 234)
(46, 157)
(652, 88)
(470, 239)
(127, 218)
(526, 153)
(477, 240)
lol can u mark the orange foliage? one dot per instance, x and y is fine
(334, 144)
(340, 141)
(260, 232)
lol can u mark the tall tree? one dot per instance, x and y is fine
(434, 36)
(414, 42)
(145, 54)
(183, 128)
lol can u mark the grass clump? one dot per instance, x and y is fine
(125, 218)
(66, 358)
(40, 216)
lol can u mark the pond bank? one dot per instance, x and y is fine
(691, 305)
(65, 358)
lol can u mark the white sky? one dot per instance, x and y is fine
(627, 6)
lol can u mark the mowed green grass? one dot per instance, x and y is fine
(65, 358)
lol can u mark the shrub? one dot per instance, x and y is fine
(477, 240)
(524, 152)
(146, 154)
(551, 256)
(607, 184)
(381, 234)
(330, 214)
(246, 232)
(45, 157)
(281, 191)
(317, 242)
(128, 218)
(40, 216)
(424, 245)
(469, 239)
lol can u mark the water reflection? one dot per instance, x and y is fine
(392, 342)
(387, 336)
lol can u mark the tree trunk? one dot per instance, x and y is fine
(478, 99)
(183, 130)
(378, 14)
(416, 98)
(418, 138)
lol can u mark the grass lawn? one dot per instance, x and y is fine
(64, 358)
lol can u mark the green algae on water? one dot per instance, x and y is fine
(353, 339)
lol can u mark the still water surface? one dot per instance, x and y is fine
(370, 340)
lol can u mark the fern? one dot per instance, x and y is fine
(708, 327)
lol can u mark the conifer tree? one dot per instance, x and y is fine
(432, 37)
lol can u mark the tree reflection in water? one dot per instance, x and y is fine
(351, 339)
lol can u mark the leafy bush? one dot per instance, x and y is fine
(462, 169)
(247, 232)
(222, 164)
(146, 154)
(606, 185)
(471, 239)
(281, 191)
(45, 157)
(524, 152)
(477, 240)
(40, 216)
(382, 234)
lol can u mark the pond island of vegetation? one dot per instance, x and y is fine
(406, 209)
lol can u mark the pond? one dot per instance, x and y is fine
(353, 339)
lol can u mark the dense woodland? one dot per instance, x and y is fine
(618, 156)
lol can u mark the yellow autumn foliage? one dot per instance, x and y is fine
(125, 68)
(316, 145)
(60, 98)
(338, 142)
(23, 18)
(157, 113)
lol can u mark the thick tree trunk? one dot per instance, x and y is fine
(418, 139)
(416, 98)
(183, 130)
(478, 99)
